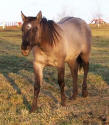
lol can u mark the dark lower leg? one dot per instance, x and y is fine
(75, 87)
(84, 85)
(62, 94)
(61, 84)
(36, 93)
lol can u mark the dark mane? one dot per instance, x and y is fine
(49, 31)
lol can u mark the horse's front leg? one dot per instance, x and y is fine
(38, 68)
(61, 71)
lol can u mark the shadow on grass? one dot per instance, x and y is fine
(12, 64)
(100, 70)
(45, 92)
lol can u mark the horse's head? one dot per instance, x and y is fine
(30, 32)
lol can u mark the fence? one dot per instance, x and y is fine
(5, 25)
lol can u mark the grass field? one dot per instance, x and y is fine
(16, 87)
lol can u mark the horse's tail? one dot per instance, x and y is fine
(80, 62)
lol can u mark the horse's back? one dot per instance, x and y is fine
(77, 35)
(76, 27)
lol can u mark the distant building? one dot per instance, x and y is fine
(98, 21)
(19, 24)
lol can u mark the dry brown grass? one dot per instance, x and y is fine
(16, 87)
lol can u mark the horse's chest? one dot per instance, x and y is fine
(51, 61)
(46, 59)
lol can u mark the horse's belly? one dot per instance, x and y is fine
(72, 54)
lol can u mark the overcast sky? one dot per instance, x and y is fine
(53, 9)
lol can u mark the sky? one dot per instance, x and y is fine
(10, 10)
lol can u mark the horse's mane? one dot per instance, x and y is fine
(49, 31)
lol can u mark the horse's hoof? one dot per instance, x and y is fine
(33, 109)
(84, 93)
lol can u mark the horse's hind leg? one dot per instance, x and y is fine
(86, 69)
(61, 71)
(74, 71)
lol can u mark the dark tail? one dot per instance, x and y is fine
(80, 62)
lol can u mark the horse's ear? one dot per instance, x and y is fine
(39, 16)
(23, 16)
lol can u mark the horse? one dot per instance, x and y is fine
(54, 44)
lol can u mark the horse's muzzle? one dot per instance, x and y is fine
(25, 52)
